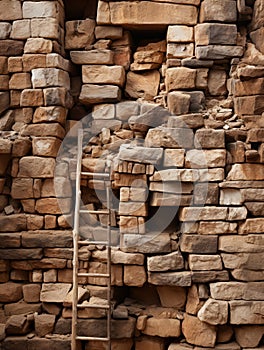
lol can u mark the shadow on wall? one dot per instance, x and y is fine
(80, 9)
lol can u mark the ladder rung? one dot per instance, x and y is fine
(87, 274)
(86, 173)
(93, 242)
(93, 306)
(91, 338)
(85, 211)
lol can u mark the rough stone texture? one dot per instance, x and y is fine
(10, 292)
(99, 93)
(217, 10)
(214, 312)
(162, 327)
(142, 85)
(54, 292)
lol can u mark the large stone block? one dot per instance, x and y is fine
(38, 46)
(198, 244)
(172, 261)
(134, 275)
(256, 37)
(42, 9)
(148, 243)
(141, 154)
(180, 50)
(205, 158)
(99, 74)
(215, 33)
(4, 101)
(237, 290)
(22, 188)
(48, 238)
(21, 29)
(200, 262)
(54, 292)
(197, 332)
(13, 223)
(165, 327)
(46, 146)
(44, 130)
(45, 77)
(218, 52)
(79, 34)
(45, 28)
(180, 78)
(246, 312)
(169, 138)
(91, 94)
(244, 263)
(36, 167)
(179, 279)
(10, 292)
(10, 10)
(218, 10)
(145, 13)
(176, 34)
(143, 85)
(242, 244)
(214, 312)
(249, 336)
(172, 296)
(246, 172)
(93, 57)
(249, 105)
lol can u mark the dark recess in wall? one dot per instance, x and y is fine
(80, 9)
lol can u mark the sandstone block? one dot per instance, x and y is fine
(162, 327)
(215, 33)
(180, 279)
(243, 262)
(143, 85)
(249, 336)
(79, 34)
(140, 154)
(54, 292)
(154, 13)
(44, 130)
(22, 188)
(134, 275)
(246, 88)
(5, 29)
(108, 32)
(205, 213)
(13, 223)
(205, 262)
(218, 10)
(178, 102)
(100, 74)
(47, 28)
(40, 9)
(197, 332)
(126, 109)
(172, 296)
(246, 312)
(180, 78)
(205, 158)
(217, 227)
(256, 38)
(173, 157)
(178, 34)
(47, 238)
(151, 343)
(31, 293)
(20, 81)
(169, 199)
(170, 138)
(214, 312)
(44, 77)
(38, 46)
(10, 10)
(36, 167)
(21, 29)
(176, 50)
(249, 105)
(148, 243)
(218, 52)
(10, 292)
(18, 324)
(91, 94)
(246, 172)
(242, 244)
(198, 244)
(44, 324)
(10, 240)
(93, 57)
(31, 98)
(172, 261)
(133, 208)
(46, 146)
(11, 47)
(217, 82)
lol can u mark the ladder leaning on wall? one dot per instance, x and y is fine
(78, 243)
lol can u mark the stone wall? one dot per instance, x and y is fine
(171, 94)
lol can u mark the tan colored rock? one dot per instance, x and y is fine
(91, 94)
(79, 34)
(180, 78)
(178, 102)
(22, 188)
(31, 293)
(217, 10)
(31, 98)
(243, 244)
(217, 227)
(18, 324)
(179, 279)
(20, 81)
(256, 38)
(44, 324)
(38, 45)
(143, 85)
(199, 244)
(10, 10)
(237, 290)
(194, 303)
(151, 343)
(170, 138)
(21, 29)
(218, 52)
(182, 50)
(99, 74)
(217, 82)
(252, 226)
(205, 158)
(52, 206)
(249, 336)
(36, 167)
(248, 105)
(10, 292)
(44, 130)
(41, 9)
(246, 172)
(46, 146)
(224, 334)
(205, 213)
(133, 208)
(214, 312)
(172, 261)
(146, 13)
(5, 29)
(215, 33)
(134, 275)
(246, 312)
(169, 199)
(140, 154)
(177, 33)
(173, 157)
(205, 262)
(92, 57)
(45, 77)
(209, 138)
(54, 292)
(162, 327)
(172, 296)
(4, 101)
(197, 332)
(45, 28)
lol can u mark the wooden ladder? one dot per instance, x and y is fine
(78, 243)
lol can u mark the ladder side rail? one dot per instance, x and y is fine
(109, 311)
(75, 241)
